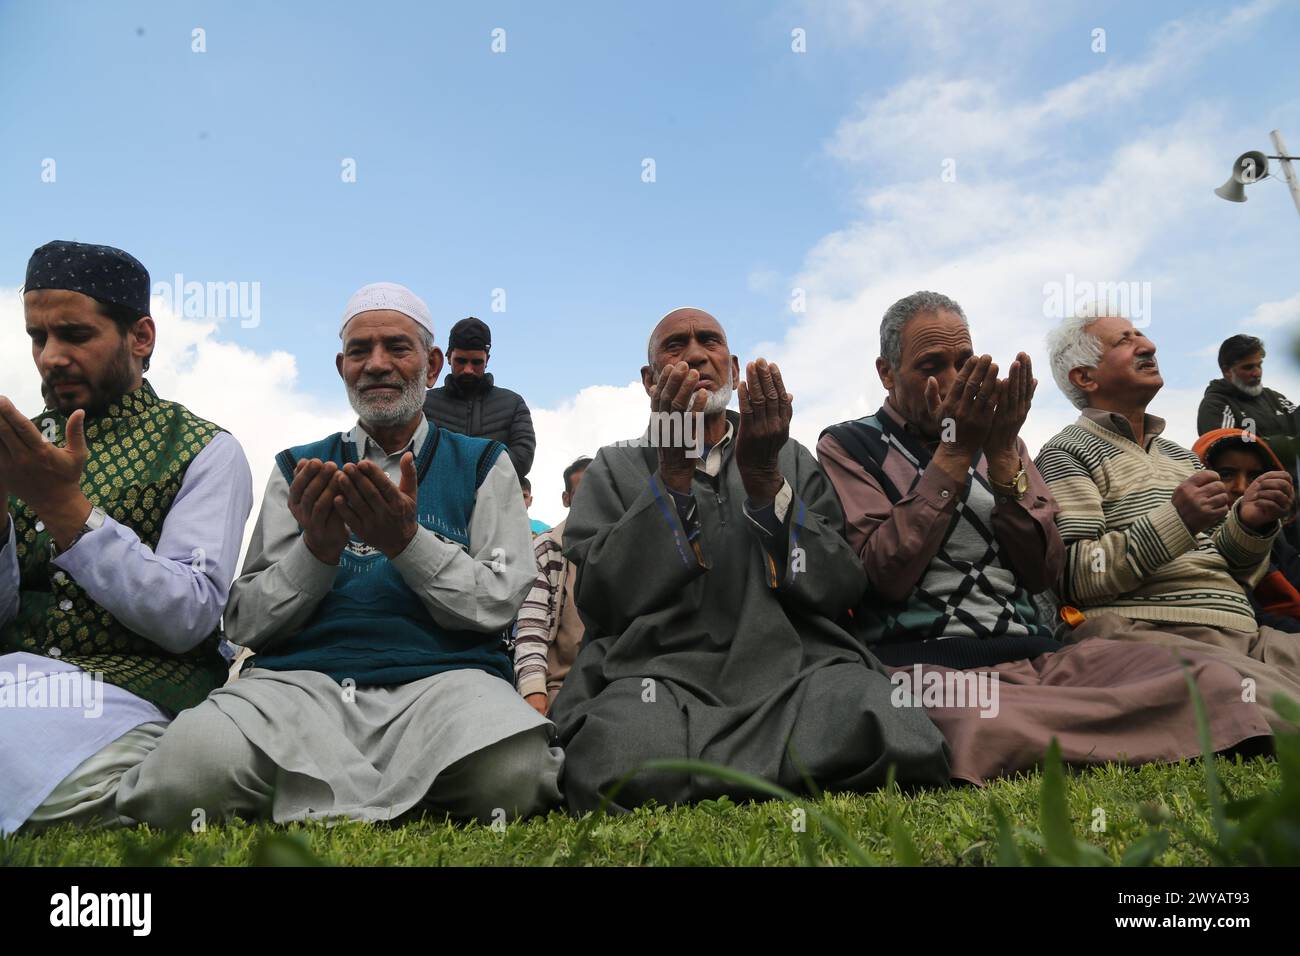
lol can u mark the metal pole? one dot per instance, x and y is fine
(1287, 171)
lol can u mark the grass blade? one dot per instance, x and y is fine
(1054, 810)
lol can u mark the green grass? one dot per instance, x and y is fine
(945, 827)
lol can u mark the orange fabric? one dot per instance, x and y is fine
(1071, 615)
(1277, 595)
(1205, 444)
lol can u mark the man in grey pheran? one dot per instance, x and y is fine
(709, 587)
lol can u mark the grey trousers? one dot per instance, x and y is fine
(88, 795)
(364, 763)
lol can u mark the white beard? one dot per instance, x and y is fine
(386, 412)
(1251, 390)
(718, 401)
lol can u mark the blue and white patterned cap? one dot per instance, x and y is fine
(101, 272)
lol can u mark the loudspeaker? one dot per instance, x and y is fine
(1249, 168)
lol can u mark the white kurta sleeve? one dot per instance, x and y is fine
(482, 589)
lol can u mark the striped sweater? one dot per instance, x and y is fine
(1127, 550)
(550, 628)
(539, 613)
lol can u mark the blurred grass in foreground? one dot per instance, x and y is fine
(945, 827)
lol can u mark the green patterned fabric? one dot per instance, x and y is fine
(140, 448)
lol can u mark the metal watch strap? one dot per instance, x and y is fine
(1011, 490)
(94, 521)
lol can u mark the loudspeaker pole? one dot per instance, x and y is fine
(1285, 159)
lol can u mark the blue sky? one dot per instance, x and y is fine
(775, 170)
(476, 171)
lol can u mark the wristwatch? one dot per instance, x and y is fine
(94, 521)
(1018, 486)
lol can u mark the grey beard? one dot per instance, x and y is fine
(718, 401)
(1252, 391)
(389, 412)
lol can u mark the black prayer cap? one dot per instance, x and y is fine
(104, 273)
(470, 335)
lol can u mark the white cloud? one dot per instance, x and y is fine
(974, 120)
(597, 415)
(1271, 315)
(993, 247)
(991, 241)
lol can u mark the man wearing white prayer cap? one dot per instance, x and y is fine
(386, 567)
(380, 296)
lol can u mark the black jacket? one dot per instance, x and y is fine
(490, 412)
(1275, 417)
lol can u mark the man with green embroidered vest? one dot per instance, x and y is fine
(383, 574)
(125, 514)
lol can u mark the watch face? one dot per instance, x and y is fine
(1022, 483)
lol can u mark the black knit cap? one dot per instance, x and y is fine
(104, 273)
(470, 335)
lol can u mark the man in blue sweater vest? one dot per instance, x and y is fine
(382, 577)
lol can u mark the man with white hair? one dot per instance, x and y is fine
(1155, 549)
(384, 571)
(955, 529)
(710, 579)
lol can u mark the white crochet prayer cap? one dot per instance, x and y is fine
(387, 295)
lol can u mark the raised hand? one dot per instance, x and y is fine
(38, 471)
(765, 412)
(381, 513)
(1202, 500)
(1015, 394)
(311, 502)
(965, 415)
(1268, 499)
(676, 389)
(45, 476)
